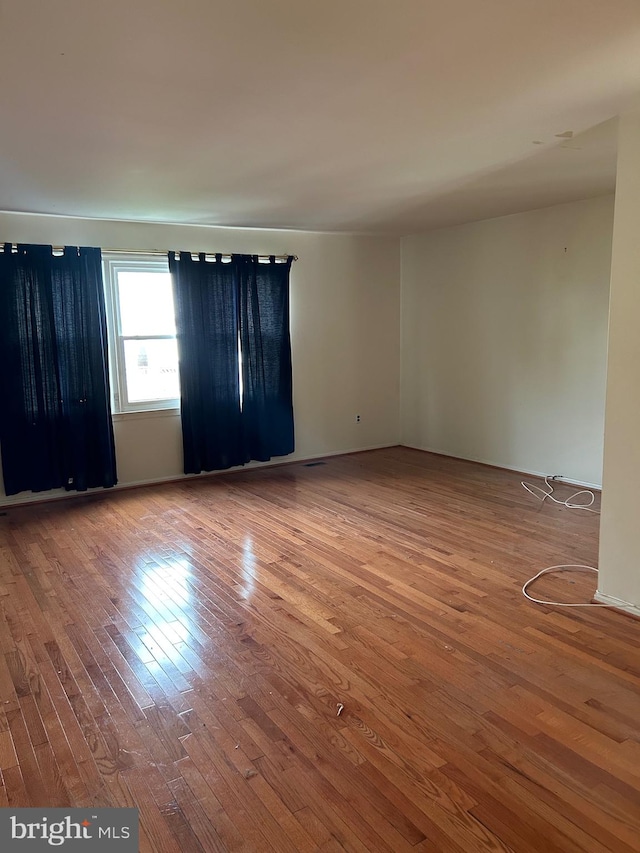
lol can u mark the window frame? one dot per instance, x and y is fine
(112, 265)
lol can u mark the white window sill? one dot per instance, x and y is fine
(144, 414)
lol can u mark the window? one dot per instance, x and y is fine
(144, 353)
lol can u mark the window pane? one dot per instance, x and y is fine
(146, 303)
(151, 368)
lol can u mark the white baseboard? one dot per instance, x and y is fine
(617, 603)
(39, 497)
(61, 494)
(494, 464)
(272, 463)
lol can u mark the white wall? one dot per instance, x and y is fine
(504, 334)
(619, 562)
(345, 325)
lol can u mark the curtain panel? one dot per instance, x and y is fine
(232, 321)
(55, 417)
(206, 304)
(267, 402)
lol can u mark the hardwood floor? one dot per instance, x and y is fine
(185, 649)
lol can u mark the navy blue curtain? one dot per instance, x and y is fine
(232, 321)
(267, 403)
(55, 416)
(206, 303)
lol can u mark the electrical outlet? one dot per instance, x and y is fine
(357, 419)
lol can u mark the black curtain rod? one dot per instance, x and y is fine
(164, 254)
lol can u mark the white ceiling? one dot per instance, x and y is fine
(360, 115)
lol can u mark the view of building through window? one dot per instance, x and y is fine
(147, 330)
(142, 327)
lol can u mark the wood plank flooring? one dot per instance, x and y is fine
(185, 649)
